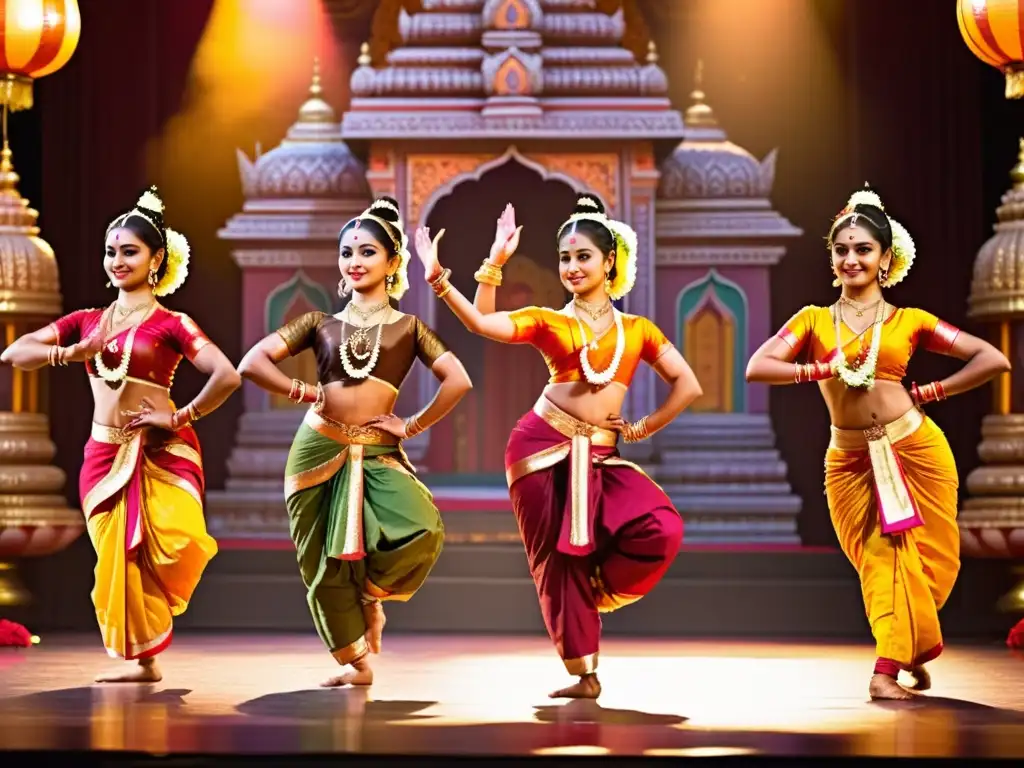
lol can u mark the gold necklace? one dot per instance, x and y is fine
(123, 313)
(366, 314)
(857, 307)
(595, 310)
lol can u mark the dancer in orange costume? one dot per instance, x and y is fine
(599, 533)
(890, 477)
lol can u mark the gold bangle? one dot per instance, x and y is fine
(445, 274)
(194, 414)
(175, 425)
(488, 274)
(444, 291)
(412, 426)
(51, 355)
(636, 431)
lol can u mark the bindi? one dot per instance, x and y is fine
(572, 241)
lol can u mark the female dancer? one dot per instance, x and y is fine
(365, 529)
(599, 534)
(141, 481)
(890, 477)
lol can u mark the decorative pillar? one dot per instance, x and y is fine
(642, 184)
(717, 239)
(992, 519)
(285, 240)
(35, 519)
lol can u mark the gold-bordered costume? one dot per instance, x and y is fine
(892, 489)
(364, 527)
(142, 493)
(599, 533)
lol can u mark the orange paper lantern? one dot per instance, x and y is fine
(37, 37)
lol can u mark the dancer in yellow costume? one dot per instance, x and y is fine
(141, 481)
(890, 477)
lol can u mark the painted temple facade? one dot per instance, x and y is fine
(527, 101)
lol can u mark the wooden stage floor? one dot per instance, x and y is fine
(453, 695)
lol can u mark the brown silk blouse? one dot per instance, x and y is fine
(401, 343)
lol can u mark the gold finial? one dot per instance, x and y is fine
(314, 89)
(364, 55)
(699, 114)
(1017, 174)
(316, 110)
(652, 53)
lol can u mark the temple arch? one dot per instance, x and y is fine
(712, 326)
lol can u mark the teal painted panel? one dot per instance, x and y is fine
(730, 297)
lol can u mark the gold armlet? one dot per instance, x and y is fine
(488, 274)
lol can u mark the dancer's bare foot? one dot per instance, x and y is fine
(360, 674)
(375, 621)
(922, 679)
(146, 671)
(885, 687)
(588, 687)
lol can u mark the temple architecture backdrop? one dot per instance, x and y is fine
(727, 132)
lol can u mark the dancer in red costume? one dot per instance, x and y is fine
(599, 533)
(141, 481)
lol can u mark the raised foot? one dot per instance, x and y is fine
(375, 621)
(360, 674)
(588, 687)
(922, 679)
(141, 673)
(885, 687)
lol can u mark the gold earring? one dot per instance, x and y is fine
(389, 284)
(152, 278)
(109, 284)
(342, 288)
(608, 283)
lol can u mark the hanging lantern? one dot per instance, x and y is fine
(993, 31)
(37, 37)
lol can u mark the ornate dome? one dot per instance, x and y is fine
(707, 165)
(29, 281)
(312, 161)
(997, 288)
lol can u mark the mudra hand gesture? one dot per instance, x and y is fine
(506, 237)
(82, 350)
(426, 250)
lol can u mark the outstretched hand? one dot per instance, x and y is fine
(506, 237)
(426, 250)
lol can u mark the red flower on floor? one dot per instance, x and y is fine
(14, 635)
(1015, 640)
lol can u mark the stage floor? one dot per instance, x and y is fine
(458, 695)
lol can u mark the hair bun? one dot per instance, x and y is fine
(386, 208)
(588, 202)
(150, 202)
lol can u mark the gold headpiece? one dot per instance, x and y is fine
(625, 245)
(176, 247)
(903, 249)
(400, 283)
